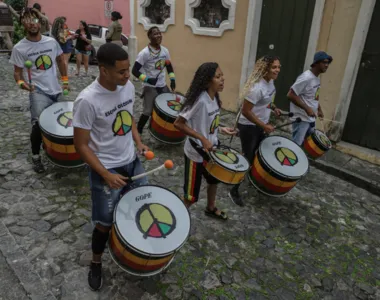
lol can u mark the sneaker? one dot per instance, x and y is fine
(95, 280)
(38, 167)
(235, 197)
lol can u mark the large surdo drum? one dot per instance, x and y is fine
(151, 224)
(316, 144)
(278, 165)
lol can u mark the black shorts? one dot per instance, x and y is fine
(193, 179)
(250, 136)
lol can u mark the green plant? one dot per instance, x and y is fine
(16, 4)
(19, 32)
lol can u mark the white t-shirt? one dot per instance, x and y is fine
(203, 118)
(307, 88)
(261, 96)
(108, 115)
(152, 64)
(43, 56)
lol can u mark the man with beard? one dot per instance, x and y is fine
(304, 97)
(153, 59)
(43, 52)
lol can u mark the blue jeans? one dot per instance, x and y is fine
(104, 199)
(301, 131)
(39, 101)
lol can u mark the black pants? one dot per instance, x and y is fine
(250, 137)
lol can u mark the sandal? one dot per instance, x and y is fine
(212, 213)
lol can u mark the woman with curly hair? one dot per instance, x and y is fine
(199, 120)
(258, 102)
(62, 35)
(82, 46)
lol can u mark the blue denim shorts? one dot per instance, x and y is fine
(301, 131)
(39, 101)
(88, 53)
(104, 199)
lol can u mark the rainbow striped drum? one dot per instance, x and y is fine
(58, 135)
(316, 144)
(151, 224)
(165, 112)
(278, 165)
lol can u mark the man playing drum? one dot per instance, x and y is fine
(199, 120)
(104, 136)
(153, 59)
(42, 54)
(304, 97)
(258, 94)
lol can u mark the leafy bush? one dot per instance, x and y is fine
(16, 4)
(18, 28)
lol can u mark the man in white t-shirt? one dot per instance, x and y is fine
(304, 97)
(153, 60)
(104, 136)
(44, 53)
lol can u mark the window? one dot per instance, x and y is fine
(210, 17)
(94, 30)
(124, 40)
(158, 13)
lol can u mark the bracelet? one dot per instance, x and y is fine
(65, 83)
(172, 76)
(20, 83)
(65, 78)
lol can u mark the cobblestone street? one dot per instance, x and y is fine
(321, 241)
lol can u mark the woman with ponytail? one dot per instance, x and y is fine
(258, 102)
(199, 120)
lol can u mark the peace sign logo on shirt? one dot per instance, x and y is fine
(43, 62)
(122, 124)
(317, 94)
(214, 124)
(160, 64)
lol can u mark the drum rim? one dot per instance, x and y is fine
(165, 142)
(140, 251)
(60, 137)
(265, 193)
(231, 168)
(275, 171)
(41, 115)
(158, 108)
(316, 140)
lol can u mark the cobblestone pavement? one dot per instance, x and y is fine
(321, 241)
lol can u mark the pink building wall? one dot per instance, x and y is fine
(91, 11)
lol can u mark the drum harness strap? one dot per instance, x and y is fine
(200, 150)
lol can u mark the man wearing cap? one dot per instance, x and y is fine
(304, 97)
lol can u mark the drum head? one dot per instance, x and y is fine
(57, 119)
(322, 139)
(284, 157)
(152, 220)
(170, 103)
(230, 159)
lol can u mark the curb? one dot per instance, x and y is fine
(371, 186)
(22, 268)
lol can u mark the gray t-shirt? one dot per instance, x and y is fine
(203, 118)
(108, 115)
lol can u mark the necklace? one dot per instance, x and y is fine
(153, 52)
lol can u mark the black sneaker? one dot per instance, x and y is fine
(235, 196)
(38, 167)
(95, 280)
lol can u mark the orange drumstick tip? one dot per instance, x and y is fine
(169, 164)
(149, 155)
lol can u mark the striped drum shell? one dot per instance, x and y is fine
(165, 111)
(58, 135)
(316, 144)
(278, 165)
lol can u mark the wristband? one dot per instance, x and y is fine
(20, 83)
(172, 76)
(143, 78)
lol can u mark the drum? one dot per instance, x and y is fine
(165, 111)
(151, 224)
(58, 135)
(227, 165)
(316, 144)
(278, 165)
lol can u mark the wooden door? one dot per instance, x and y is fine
(363, 120)
(284, 32)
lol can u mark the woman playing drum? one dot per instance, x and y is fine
(199, 120)
(258, 94)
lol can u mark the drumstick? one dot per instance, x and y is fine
(149, 155)
(298, 120)
(28, 64)
(168, 165)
